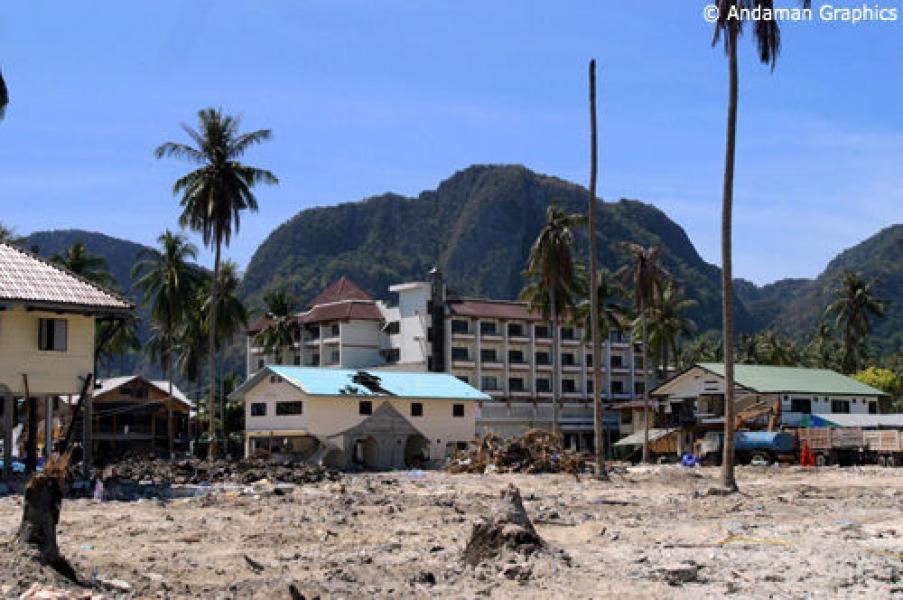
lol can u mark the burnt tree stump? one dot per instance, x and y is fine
(506, 527)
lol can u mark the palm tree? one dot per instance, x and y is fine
(77, 259)
(166, 279)
(282, 327)
(823, 350)
(122, 338)
(703, 348)
(609, 314)
(854, 305)
(4, 97)
(667, 323)
(731, 14)
(554, 281)
(8, 236)
(231, 316)
(645, 275)
(214, 195)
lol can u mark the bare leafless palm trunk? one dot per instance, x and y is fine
(593, 283)
(645, 389)
(727, 302)
(556, 428)
(169, 427)
(214, 297)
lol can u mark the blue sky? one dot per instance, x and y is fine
(372, 96)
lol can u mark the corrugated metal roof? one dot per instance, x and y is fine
(770, 380)
(346, 310)
(494, 309)
(323, 381)
(26, 277)
(638, 438)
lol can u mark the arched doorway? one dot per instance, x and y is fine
(366, 452)
(416, 451)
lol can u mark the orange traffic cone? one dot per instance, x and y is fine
(806, 457)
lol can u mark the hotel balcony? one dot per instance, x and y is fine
(514, 412)
(574, 368)
(463, 335)
(519, 339)
(492, 365)
(463, 364)
(543, 367)
(570, 341)
(519, 366)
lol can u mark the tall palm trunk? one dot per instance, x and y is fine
(593, 284)
(169, 428)
(214, 298)
(727, 300)
(555, 360)
(645, 390)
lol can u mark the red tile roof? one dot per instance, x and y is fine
(339, 290)
(258, 325)
(494, 309)
(26, 277)
(340, 311)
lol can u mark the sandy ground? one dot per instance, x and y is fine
(650, 533)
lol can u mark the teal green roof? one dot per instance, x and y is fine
(769, 380)
(323, 381)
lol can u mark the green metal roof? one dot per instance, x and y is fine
(769, 380)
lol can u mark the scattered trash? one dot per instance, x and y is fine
(86, 547)
(253, 564)
(537, 451)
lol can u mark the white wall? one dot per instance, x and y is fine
(48, 372)
(329, 415)
(359, 344)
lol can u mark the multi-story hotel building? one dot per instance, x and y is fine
(501, 347)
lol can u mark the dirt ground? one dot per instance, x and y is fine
(652, 532)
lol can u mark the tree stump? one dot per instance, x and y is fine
(506, 527)
(41, 514)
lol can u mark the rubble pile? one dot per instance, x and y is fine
(160, 472)
(536, 451)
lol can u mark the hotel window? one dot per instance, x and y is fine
(840, 406)
(334, 356)
(617, 361)
(488, 355)
(568, 386)
(615, 336)
(516, 357)
(284, 409)
(638, 362)
(334, 330)
(393, 355)
(457, 410)
(567, 359)
(258, 409)
(515, 330)
(460, 354)
(639, 387)
(568, 333)
(801, 405)
(487, 328)
(260, 363)
(393, 328)
(315, 360)
(52, 335)
(365, 407)
(542, 331)
(589, 386)
(416, 409)
(543, 358)
(543, 385)
(617, 387)
(464, 378)
(297, 360)
(490, 382)
(516, 384)
(589, 360)
(459, 326)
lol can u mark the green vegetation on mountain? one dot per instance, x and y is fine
(795, 306)
(478, 226)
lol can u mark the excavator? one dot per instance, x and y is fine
(757, 410)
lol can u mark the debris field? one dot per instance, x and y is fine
(651, 532)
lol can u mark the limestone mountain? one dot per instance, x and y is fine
(478, 226)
